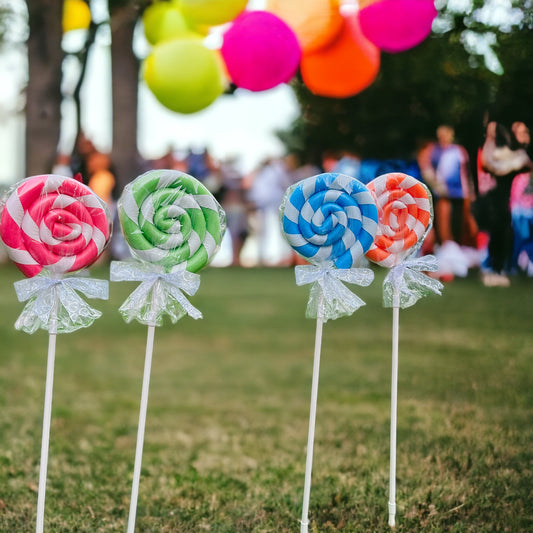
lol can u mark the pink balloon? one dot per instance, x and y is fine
(260, 51)
(397, 25)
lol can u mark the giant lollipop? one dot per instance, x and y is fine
(331, 220)
(53, 222)
(169, 218)
(173, 226)
(405, 215)
(51, 225)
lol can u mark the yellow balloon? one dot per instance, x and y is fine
(163, 21)
(76, 15)
(211, 12)
(184, 75)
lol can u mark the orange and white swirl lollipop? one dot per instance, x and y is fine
(405, 212)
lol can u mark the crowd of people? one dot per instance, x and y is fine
(486, 207)
(483, 209)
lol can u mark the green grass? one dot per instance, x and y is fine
(229, 405)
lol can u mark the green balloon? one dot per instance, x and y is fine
(184, 75)
(163, 21)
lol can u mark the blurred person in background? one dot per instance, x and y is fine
(83, 149)
(267, 186)
(349, 164)
(445, 168)
(504, 160)
(449, 176)
(299, 171)
(232, 194)
(101, 178)
(62, 165)
(522, 206)
(101, 181)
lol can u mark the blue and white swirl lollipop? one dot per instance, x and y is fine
(330, 219)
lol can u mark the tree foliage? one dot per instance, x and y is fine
(440, 81)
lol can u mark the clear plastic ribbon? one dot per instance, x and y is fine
(337, 300)
(406, 283)
(159, 293)
(54, 305)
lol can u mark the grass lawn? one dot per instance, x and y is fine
(229, 405)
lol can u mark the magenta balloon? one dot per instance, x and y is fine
(397, 25)
(260, 51)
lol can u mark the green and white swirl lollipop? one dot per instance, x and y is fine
(174, 227)
(169, 218)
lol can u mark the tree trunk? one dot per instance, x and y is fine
(43, 93)
(125, 81)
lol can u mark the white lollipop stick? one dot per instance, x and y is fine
(47, 416)
(141, 428)
(312, 418)
(394, 407)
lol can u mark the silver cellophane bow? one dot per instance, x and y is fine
(329, 298)
(159, 293)
(54, 305)
(406, 283)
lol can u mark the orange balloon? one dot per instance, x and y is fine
(344, 68)
(315, 22)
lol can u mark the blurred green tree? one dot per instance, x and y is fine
(469, 69)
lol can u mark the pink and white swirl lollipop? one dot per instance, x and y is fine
(55, 223)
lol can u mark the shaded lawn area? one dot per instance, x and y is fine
(229, 405)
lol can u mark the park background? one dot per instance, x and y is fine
(474, 66)
(228, 412)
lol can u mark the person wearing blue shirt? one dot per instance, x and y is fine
(449, 177)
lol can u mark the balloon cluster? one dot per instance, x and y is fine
(334, 44)
(341, 40)
(259, 51)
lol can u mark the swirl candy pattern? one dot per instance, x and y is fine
(405, 213)
(169, 218)
(330, 219)
(54, 222)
